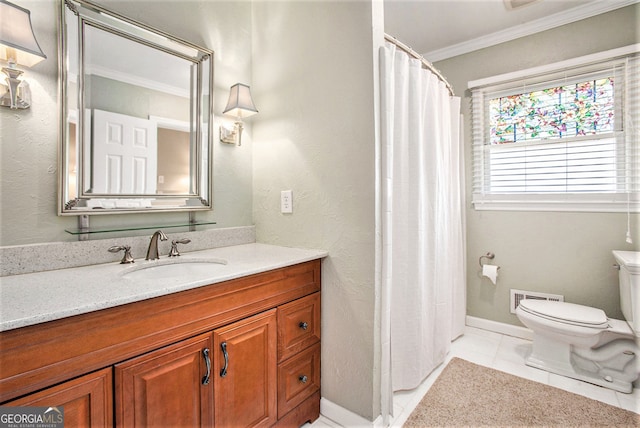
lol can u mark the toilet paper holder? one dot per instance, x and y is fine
(489, 256)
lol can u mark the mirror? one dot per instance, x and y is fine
(136, 116)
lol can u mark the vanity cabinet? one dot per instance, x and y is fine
(244, 352)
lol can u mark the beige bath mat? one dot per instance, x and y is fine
(466, 394)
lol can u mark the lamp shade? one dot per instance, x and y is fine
(17, 41)
(240, 104)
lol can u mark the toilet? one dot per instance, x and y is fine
(580, 342)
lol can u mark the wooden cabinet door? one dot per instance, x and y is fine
(169, 387)
(245, 372)
(86, 401)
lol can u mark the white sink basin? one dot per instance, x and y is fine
(187, 269)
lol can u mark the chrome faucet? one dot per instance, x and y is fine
(152, 252)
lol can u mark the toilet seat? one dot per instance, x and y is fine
(566, 313)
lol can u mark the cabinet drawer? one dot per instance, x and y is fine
(298, 325)
(298, 379)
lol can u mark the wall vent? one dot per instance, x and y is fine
(517, 295)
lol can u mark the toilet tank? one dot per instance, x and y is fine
(629, 278)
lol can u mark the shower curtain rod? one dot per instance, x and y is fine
(425, 63)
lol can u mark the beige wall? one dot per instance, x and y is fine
(313, 68)
(560, 253)
(29, 139)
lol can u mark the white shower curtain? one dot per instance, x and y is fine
(422, 222)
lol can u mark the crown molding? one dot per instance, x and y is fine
(542, 24)
(581, 61)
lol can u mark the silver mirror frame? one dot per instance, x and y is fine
(200, 199)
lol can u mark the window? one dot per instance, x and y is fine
(564, 139)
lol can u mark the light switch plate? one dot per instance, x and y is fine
(286, 202)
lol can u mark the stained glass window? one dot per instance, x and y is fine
(559, 138)
(585, 108)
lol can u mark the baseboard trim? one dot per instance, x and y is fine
(499, 327)
(344, 417)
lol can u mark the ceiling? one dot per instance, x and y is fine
(440, 29)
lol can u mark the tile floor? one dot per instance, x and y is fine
(505, 353)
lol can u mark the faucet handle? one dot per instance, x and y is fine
(174, 246)
(126, 258)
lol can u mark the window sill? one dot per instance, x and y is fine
(608, 203)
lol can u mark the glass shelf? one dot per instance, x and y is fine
(85, 231)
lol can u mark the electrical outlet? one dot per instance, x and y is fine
(286, 202)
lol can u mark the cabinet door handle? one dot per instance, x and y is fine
(207, 360)
(303, 379)
(303, 325)
(223, 372)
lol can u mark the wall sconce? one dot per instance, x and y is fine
(18, 46)
(239, 106)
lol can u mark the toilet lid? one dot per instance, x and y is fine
(568, 313)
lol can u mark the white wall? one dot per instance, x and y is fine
(315, 134)
(560, 253)
(29, 139)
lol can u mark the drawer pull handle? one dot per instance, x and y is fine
(207, 360)
(223, 372)
(303, 379)
(303, 325)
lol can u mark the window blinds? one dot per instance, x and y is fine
(549, 152)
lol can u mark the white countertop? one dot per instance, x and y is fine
(45, 296)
